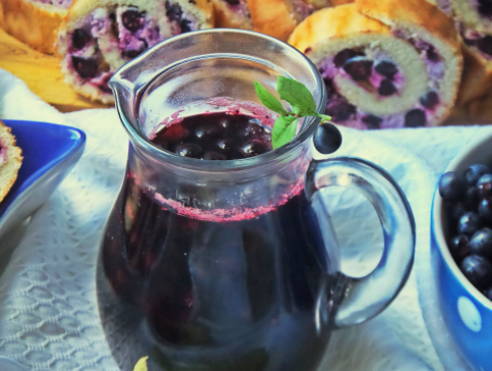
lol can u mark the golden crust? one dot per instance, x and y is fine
(10, 170)
(412, 14)
(35, 25)
(338, 22)
(477, 76)
(224, 17)
(272, 17)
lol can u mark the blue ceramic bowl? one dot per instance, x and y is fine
(466, 311)
(49, 151)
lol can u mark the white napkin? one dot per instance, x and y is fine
(48, 310)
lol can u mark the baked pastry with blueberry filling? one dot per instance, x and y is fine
(98, 36)
(473, 19)
(385, 63)
(10, 160)
(232, 13)
(278, 18)
(34, 22)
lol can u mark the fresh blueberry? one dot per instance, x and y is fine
(459, 246)
(451, 186)
(484, 185)
(85, 67)
(188, 150)
(344, 55)
(132, 19)
(386, 88)
(224, 144)
(415, 118)
(431, 53)
(485, 209)
(359, 68)
(478, 270)
(232, 2)
(327, 138)
(474, 172)
(429, 100)
(481, 242)
(457, 209)
(472, 198)
(207, 131)
(469, 223)
(372, 121)
(488, 293)
(485, 45)
(80, 38)
(341, 111)
(387, 69)
(185, 25)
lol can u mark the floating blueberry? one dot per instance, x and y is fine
(451, 186)
(485, 45)
(185, 25)
(481, 242)
(80, 38)
(415, 118)
(430, 100)
(205, 132)
(469, 223)
(342, 56)
(459, 246)
(485, 209)
(341, 111)
(188, 150)
(224, 144)
(372, 121)
(386, 69)
(478, 270)
(132, 19)
(327, 138)
(386, 88)
(432, 54)
(474, 172)
(85, 67)
(250, 149)
(132, 53)
(359, 68)
(232, 2)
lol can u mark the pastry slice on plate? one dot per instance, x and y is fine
(10, 160)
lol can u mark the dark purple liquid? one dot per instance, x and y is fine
(197, 295)
(215, 136)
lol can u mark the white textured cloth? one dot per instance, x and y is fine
(48, 311)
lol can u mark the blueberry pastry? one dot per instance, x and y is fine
(34, 22)
(385, 63)
(278, 18)
(232, 13)
(473, 19)
(10, 160)
(98, 36)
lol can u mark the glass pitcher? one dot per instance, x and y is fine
(233, 265)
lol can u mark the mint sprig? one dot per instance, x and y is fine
(301, 103)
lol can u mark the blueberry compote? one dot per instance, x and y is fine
(215, 136)
(197, 291)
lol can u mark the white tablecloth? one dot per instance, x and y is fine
(48, 313)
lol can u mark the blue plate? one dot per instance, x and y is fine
(49, 151)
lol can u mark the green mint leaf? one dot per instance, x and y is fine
(298, 96)
(284, 129)
(268, 99)
(324, 118)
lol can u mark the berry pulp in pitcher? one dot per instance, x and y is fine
(204, 294)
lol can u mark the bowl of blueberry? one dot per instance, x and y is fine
(462, 251)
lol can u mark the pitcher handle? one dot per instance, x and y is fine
(367, 296)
